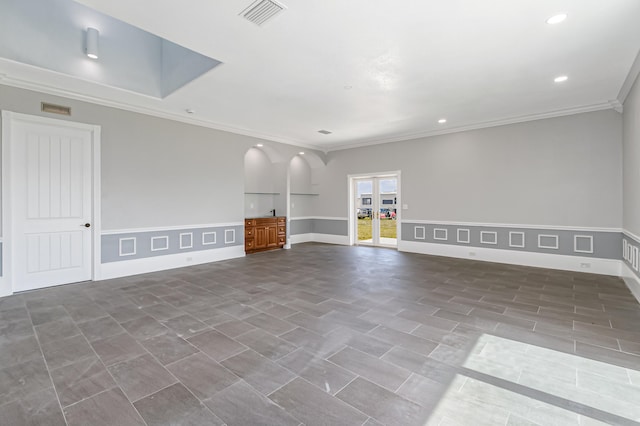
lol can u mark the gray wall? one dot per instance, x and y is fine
(631, 146)
(564, 171)
(155, 172)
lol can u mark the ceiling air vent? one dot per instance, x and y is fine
(261, 11)
(324, 132)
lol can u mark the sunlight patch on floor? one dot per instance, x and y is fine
(594, 384)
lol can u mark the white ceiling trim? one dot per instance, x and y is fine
(614, 104)
(50, 90)
(630, 80)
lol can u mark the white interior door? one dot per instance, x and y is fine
(51, 203)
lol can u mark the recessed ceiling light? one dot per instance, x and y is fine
(190, 111)
(556, 19)
(301, 153)
(561, 79)
(442, 120)
(260, 145)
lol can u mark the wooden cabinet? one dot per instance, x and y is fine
(264, 233)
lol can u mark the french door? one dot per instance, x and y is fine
(376, 210)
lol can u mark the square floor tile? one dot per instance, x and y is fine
(168, 348)
(240, 405)
(175, 405)
(315, 407)
(118, 348)
(141, 376)
(202, 376)
(104, 409)
(260, 372)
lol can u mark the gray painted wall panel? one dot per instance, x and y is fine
(111, 243)
(320, 226)
(303, 226)
(606, 245)
(331, 227)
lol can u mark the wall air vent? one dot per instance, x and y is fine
(324, 132)
(55, 109)
(261, 11)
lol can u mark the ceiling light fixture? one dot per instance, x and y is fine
(260, 145)
(91, 47)
(301, 153)
(561, 79)
(556, 19)
(442, 120)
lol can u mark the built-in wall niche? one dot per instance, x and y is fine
(303, 192)
(261, 194)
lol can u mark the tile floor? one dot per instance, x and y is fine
(325, 335)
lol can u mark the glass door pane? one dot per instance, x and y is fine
(364, 211)
(387, 189)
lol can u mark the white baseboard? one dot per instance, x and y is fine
(161, 263)
(5, 287)
(513, 257)
(301, 238)
(320, 238)
(631, 280)
(331, 239)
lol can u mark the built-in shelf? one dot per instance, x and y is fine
(262, 193)
(302, 193)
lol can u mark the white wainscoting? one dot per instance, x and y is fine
(631, 280)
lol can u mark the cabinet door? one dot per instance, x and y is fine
(272, 236)
(260, 237)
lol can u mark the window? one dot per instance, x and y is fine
(387, 202)
(366, 201)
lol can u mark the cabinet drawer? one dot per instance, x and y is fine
(249, 222)
(248, 232)
(281, 221)
(249, 244)
(281, 230)
(265, 221)
(281, 240)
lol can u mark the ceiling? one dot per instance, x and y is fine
(372, 71)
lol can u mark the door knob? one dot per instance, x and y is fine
(86, 225)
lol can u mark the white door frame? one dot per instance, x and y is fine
(353, 220)
(8, 118)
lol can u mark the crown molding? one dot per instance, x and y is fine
(12, 81)
(614, 104)
(630, 80)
